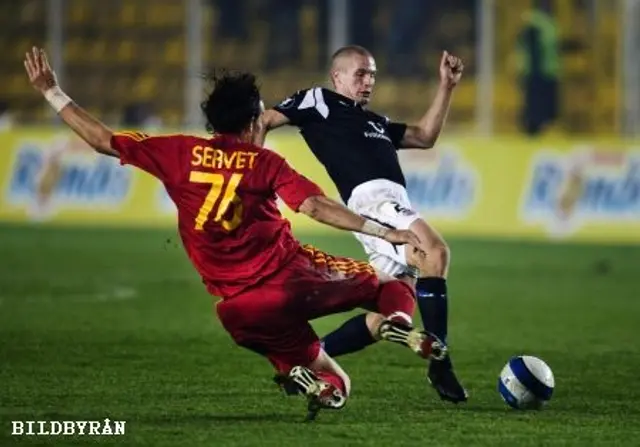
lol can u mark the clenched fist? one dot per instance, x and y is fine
(451, 68)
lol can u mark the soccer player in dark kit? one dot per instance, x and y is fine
(358, 150)
(271, 286)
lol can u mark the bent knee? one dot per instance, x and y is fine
(432, 260)
(440, 252)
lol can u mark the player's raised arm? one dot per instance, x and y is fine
(425, 132)
(89, 128)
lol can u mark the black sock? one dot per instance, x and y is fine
(352, 336)
(431, 294)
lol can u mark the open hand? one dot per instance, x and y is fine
(401, 237)
(41, 76)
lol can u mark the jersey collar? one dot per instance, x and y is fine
(350, 102)
(229, 141)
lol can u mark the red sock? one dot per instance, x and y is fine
(333, 379)
(396, 298)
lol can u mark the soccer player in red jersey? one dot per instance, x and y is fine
(271, 286)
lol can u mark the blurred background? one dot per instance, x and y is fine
(534, 183)
(564, 66)
(539, 141)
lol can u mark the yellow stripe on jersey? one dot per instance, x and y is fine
(141, 136)
(135, 136)
(343, 265)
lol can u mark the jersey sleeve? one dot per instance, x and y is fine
(396, 133)
(305, 106)
(157, 155)
(395, 130)
(293, 188)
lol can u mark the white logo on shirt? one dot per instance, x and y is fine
(286, 103)
(377, 127)
(378, 132)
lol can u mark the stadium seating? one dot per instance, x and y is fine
(127, 51)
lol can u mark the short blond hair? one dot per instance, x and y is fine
(349, 50)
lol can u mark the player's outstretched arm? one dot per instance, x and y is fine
(89, 128)
(424, 134)
(304, 196)
(330, 212)
(270, 119)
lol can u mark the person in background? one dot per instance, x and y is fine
(539, 66)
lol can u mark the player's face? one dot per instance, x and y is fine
(356, 78)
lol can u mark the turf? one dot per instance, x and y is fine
(114, 323)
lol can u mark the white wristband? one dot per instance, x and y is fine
(374, 229)
(57, 98)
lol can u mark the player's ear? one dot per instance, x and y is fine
(333, 77)
(256, 126)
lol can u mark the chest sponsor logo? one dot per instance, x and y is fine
(377, 132)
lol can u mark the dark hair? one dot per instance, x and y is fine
(233, 103)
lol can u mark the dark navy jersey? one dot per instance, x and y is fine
(354, 144)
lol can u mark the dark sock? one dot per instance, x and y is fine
(431, 294)
(352, 336)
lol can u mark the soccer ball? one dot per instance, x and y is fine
(526, 382)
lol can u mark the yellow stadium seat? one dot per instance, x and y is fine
(145, 86)
(74, 50)
(78, 11)
(97, 50)
(129, 14)
(17, 84)
(174, 53)
(125, 51)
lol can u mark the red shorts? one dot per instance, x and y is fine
(272, 319)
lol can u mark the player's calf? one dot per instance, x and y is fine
(432, 263)
(394, 298)
(432, 298)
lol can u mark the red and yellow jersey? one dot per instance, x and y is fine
(225, 192)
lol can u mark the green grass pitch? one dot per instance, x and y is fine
(115, 323)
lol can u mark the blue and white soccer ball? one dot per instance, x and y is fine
(526, 382)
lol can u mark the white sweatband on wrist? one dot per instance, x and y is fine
(374, 229)
(57, 98)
